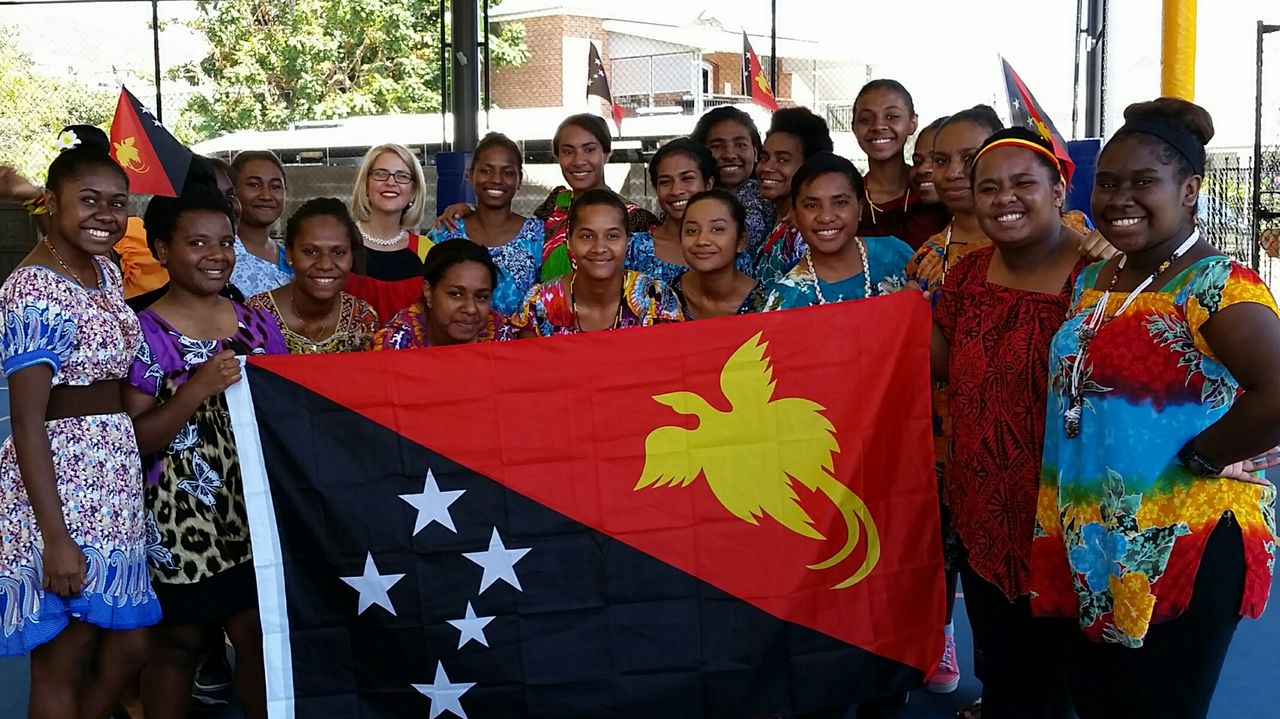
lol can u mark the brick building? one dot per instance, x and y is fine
(664, 72)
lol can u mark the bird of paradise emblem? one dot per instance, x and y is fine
(751, 454)
(763, 83)
(129, 157)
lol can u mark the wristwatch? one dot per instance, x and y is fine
(1195, 462)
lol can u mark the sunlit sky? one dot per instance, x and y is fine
(945, 51)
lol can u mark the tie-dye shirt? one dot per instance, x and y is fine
(1121, 524)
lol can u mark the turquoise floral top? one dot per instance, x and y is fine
(886, 256)
(519, 262)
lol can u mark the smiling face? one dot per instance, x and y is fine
(321, 257)
(390, 184)
(495, 177)
(598, 242)
(458, 305)
(1138, 200)
(1016, 200)
(261, 193)
(201, 253)
(882, 123)
(710, 238)
(826, 213)
(679, 178)
(90, 210)
(953, 151)
(922, 167)
(783, 154)
(730, 143)
(582, 159)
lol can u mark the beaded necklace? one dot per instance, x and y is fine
(866, 273)
(573, 305)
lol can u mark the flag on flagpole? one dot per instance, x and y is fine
(155, 162)
(598, 84)
(754, 83)
(514, 542)
(1024, 111)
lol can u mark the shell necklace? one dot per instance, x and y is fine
(866, 273)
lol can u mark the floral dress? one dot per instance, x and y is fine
(84, 336)
(252, 274)
(779, 253)
(1121, 524)
(548, 310)
(407, 329)
(356, 324)
(198, 527)
(643, 258)
(554, 213)
(761, 216)
(886, 258)
(519, 262)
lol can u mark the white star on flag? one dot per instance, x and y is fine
(471, 627)
(498, 562)
(373, 587)
(445, 696)
(433, 505)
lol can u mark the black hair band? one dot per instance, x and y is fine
(1179, 139)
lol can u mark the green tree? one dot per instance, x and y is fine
(274, 62)
(34, 106)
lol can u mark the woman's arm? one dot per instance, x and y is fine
(1246, 338)
(156, 424)
(939, 355)
(64, 562)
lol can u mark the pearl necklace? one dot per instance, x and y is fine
(380, 242)
(866, 273)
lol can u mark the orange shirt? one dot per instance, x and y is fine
(142, 272)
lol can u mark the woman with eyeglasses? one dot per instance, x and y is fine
(387, 204)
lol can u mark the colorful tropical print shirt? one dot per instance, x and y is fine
(554, 213)
(886, 257)
(407, 329)
(1121, 524)
(548, 309)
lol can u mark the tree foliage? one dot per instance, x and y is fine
(275, 62)
(34, 106)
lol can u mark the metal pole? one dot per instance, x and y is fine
(1094, 98)
(488, 68)
(1256, 224)
(465, 58)
(444, 83)
(1178, 49)
(773, 47)
(1075, 82)
(155, 41)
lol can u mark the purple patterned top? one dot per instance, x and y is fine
(193, 489)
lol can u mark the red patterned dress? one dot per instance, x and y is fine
(999, 358)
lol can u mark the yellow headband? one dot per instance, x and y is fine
(1019, 142)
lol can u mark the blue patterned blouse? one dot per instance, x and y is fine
(519, 263)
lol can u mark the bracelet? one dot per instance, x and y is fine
(1196, 463)
(36, 205)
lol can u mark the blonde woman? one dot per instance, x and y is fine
(387, 203)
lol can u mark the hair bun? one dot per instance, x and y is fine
(83, 137)
(1187, 115)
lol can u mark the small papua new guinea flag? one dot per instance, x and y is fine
(724, 518)
(598, 85)
(754, 84)
(155, 162)
(1024, 111)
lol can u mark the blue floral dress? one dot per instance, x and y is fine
(642, 257)
(83, 336)
(760, 216)
(886, 256)
(519, 262)
(253, 275)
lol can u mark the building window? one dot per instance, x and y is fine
(708, 78)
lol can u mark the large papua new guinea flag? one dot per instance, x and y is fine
(727, 518)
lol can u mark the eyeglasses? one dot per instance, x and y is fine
(401, 178)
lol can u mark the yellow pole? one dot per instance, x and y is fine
(1178, 50)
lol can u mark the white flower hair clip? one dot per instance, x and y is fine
(67, 140)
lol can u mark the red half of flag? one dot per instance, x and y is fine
(754, 84)
(598, 84)
(1026, 112)
(155, 162)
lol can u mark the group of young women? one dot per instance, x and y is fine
(1097, 421)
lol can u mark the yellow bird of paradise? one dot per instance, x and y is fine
(763, 83)
(128, 157)
(751, 454)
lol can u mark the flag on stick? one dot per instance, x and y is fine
(703, 521)
(754, 83)
(1026, 112)
(598, 85)
(155, 162)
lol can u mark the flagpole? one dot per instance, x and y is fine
(773, 47)
(155, 41)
